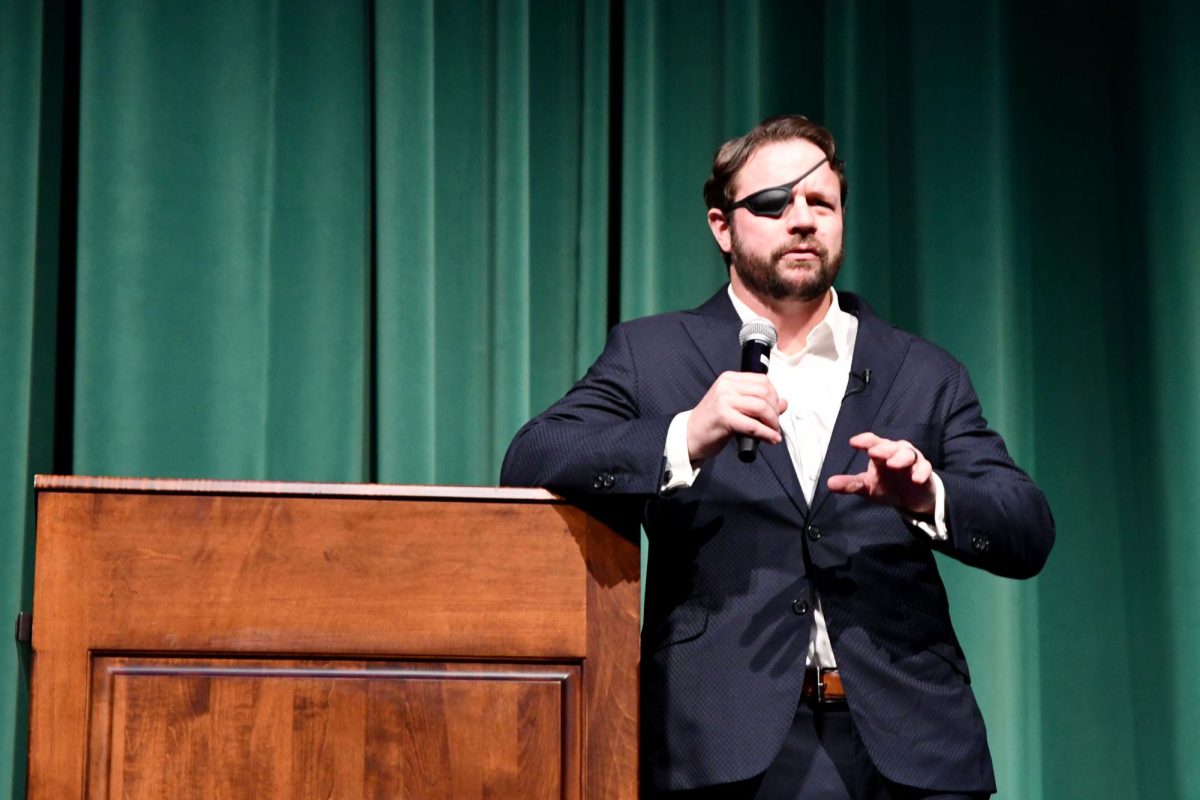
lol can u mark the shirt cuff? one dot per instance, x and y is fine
(678, 472)
(937, 529)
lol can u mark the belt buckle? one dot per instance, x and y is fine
(820, 688)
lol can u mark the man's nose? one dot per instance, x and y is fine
(799, 215)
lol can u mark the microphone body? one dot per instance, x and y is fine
(756, 337)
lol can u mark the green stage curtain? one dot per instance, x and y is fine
(31, 87)
(366, 241)
(492, 142)
(329, 236)
(223, 240)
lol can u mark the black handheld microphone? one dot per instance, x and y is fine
(756, 337)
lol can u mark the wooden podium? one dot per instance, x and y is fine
(203, 639)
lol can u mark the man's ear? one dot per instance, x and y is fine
(718, 223)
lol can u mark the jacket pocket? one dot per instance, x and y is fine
(687, 621)
(931, 632)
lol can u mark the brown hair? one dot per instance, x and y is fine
(733, 155)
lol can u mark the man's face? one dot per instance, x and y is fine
(796, 256)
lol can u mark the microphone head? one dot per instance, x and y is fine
(758, 330)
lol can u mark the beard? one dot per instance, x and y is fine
(767, 276)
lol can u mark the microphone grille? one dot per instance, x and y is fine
(758, 330)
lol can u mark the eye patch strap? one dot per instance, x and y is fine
(785, 187)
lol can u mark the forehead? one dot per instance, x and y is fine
(780, 162)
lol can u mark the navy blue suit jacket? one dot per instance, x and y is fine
(735, 558)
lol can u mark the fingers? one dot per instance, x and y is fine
(897, 474)
(848, 484)
(894, 454)
(759, 413)
(901, 457)
(748, 404)
(737, 403)
(864, 440)
(922, 471)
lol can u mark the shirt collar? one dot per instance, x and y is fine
(830, 337)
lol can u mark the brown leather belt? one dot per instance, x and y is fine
(823, 686)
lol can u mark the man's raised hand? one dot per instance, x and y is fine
(897, 475)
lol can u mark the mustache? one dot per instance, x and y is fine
(802, 243)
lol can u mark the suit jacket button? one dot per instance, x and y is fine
(800, 606)
(597, 482)
(814, 533)
(608, 480)
(981, 543)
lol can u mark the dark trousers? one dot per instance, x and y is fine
(822, 758)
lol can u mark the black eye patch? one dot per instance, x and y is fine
(773, 201)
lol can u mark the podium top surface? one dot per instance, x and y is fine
(86, 483)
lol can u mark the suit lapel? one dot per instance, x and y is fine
(880, 349)
(714, 328)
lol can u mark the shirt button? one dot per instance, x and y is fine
(814, 533)
(800, 606)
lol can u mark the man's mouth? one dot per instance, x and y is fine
(802, 254)
(802, 251)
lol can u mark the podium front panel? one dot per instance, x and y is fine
(241, 639)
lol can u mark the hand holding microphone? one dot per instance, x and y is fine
(742, 404)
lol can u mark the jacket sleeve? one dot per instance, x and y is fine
(998, 518)
(594, 442)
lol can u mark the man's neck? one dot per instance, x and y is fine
(793, 319)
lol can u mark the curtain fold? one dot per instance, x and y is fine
(923, 103)
(695, 75)
(1162, 542)
(31, 141)
(366, 241)
(491, 224)
(222, 245)
(1077, 132)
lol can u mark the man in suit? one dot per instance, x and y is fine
(797, 639)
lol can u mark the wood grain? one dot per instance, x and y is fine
(186, 728)
(148, 601)
(611, 691)
(413, 577)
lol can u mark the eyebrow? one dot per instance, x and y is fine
(790, 184)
